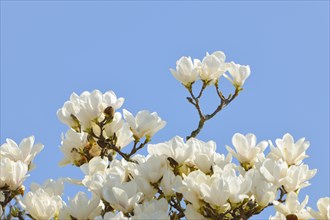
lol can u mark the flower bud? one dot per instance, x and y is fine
(109, 112)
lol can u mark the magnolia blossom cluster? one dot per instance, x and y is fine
(180, 178)
(15, 163)
(94, 122)
(209, 70)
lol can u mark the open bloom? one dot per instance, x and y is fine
(144, 123)
(174, 148)
(297, 177)
(288, 150)
(25, 151)
(186, 71)
(323, 205)
(73, 145)
(12, 174)
(293, 207)
(80, 207)
(212, 66)
(123, 197)
(41, 205)
(238, 73)
(274, 171)
(85, 109)
(247, 149)
(203, 154)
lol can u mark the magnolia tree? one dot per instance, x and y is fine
(180, 178)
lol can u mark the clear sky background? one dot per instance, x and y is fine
(51, 49)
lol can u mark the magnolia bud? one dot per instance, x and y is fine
(109, 112)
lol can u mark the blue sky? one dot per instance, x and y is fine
(51, 49)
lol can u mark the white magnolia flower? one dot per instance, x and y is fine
(323, 205)
(144, 124)
(288, 150)
(247, 149)
(80, 207)
(67, 113)
(274, 171)
(12, 173)
(191, 187)
(203, 154)
(174, 148)
(238, 186)
(41, 205)
(222, 163)
(112, 216)
(216, 192)
(186, 71)
(144, 186)
(297, 177)
(293, 207)
(97, 164)
(238, 74)
(120, 129)
(116, 124)
(124, 136)
(25, 151)
(87, 108)
(153, 169)
(192, 214)
(264, 192)
(123, 197)
(72, 145)
(153, 209)
(169, 181)
(52, 187)
(212, 66)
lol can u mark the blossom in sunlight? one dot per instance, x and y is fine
(98, 174)
(203, 154)
(292, 207)
(72, 146)
(153, 169)
(263, 191)
(41, 205)
(153, 209)
(87, 108)
(123, 197)
(144, 124)
(25, 151)
(247, 149)
(239, 187)
(237, 74)
(175, 149)
(120, 130)
(169, 181)
(291, 152)
(212, 66)
(274, 171)
(186, 71)
(81, 208)
(12, 173)
(323, 205)
(191, 187)
(297, 177)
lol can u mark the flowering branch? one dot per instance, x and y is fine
(203, 118)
